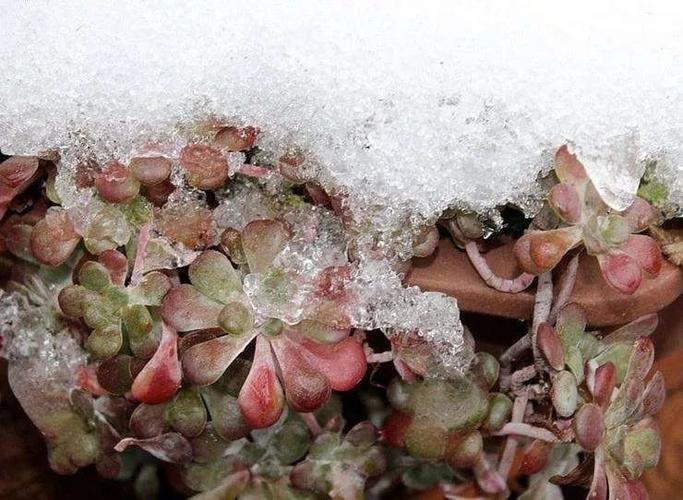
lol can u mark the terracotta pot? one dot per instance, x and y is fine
(449, 271)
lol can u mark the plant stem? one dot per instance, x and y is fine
(522, 429)
(312, 423)
(544, 299)
(380, 357)
(513, 352)
(515, 285)
(508, 455)
(566, 287)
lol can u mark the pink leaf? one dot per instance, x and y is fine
(186, 309)
(171, 447)
(654, 395)
(568, 168)
(344, 364)
(603, 383)
(550, 345)
(589, 426)
(564, 200)
(639, 215)
(205, 167)
(54, 239)
(262, 241)
(117, 265)
(306, 388)
(116, 184)
(642, 358)
(150, 170)
(261, 398)
(160, 378)
(541, 251)
(204, 363)
(147, 421)
(621, 271)
(646, 251)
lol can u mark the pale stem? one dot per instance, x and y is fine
(522, 429)
(312, 423)
(380, 357)
(521, 376)
(506, 459)
(507, 358)
(566, 287)
(515, 285)
(544, 299)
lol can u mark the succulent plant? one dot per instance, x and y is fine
(194, 311)
(616, 424)
(587, 220)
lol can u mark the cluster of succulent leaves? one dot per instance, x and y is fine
(186, 371)
(585, 219)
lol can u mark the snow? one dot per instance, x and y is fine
(412, 106)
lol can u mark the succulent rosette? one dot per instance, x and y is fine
(610, 236)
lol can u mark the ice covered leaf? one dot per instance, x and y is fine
(107, 230)
(160, 378)
(261, 398)
(116, 184)
(236, 139)
(150, 170)
(171, 447)
(204, 363)
(262, 241)
(53, 238)
(205, 167)
(192, 226)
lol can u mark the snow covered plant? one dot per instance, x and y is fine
(209, 314)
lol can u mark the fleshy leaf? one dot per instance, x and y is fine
(160, 378)
(654, 395)
(642, 358)
(306, 388)
(565, 201)
(171, 447)
(186, 309)
(589, 426)
(53, 238)
(344, 364)
(151, 289)
(205, 167)
(212, 274)
(568, 168)
(186, 413)
(262, 241)
(550, 345)
(621, 271)
(602, 384)
(226, 418)
(639, 215)
(116, 184)
(646, 251)
(147, 421)
(564, 393)
(540, 251)
(204, 363)
(261, 398)
(150, 170)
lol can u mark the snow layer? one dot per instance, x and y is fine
(412, 105)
